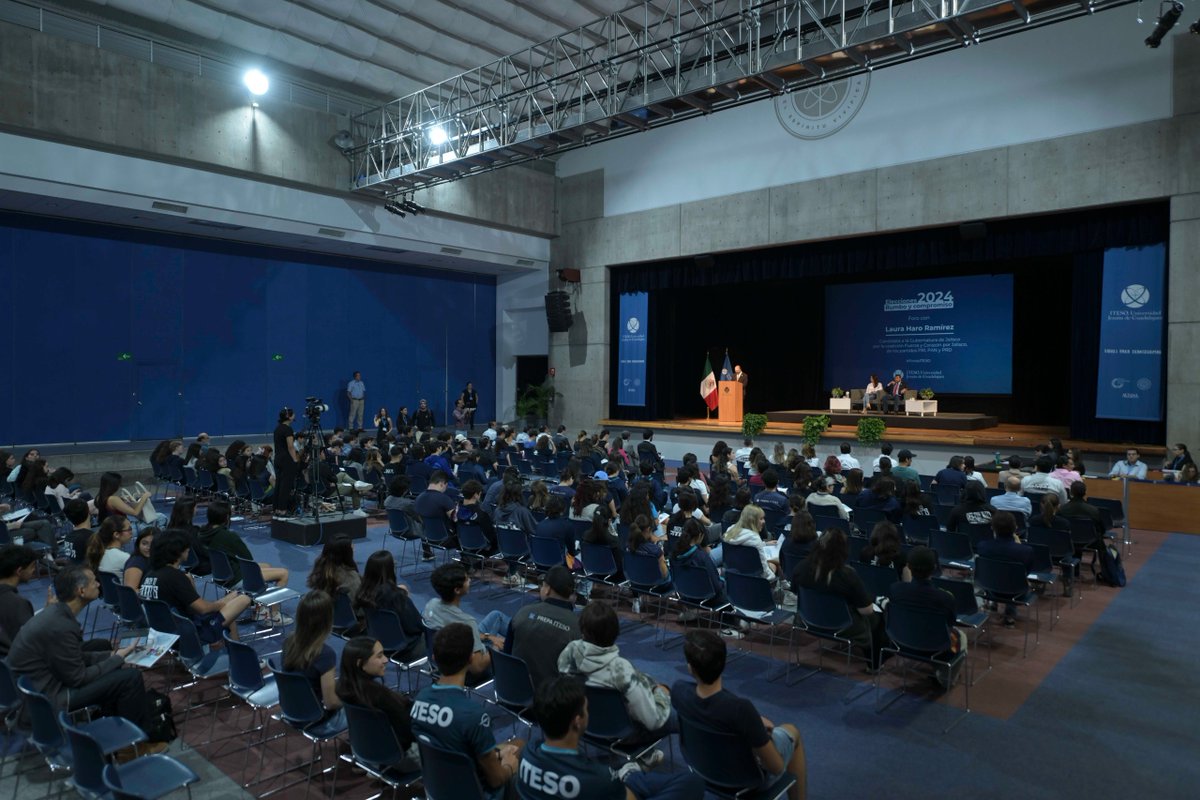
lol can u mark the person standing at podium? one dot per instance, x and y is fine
(740, 377)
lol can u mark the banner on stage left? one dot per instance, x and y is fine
(1129, 377)
(631, 350)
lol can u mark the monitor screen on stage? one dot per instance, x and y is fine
(950, 334)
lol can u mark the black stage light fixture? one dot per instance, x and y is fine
(1166, 21)
(1195, 27)
(412, 207)
(393, 208)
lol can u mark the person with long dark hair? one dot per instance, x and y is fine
(287, 462)
(799, 541)
(644, 541)
(109, 501)
(690, 549)
(306, 651)
(217, 535)
(363, 667)
(182, 519)
(139, 563)
(106, 547)
(379, 590)
(167, 582)
(826, 570)
(335, 569)
(34, 481)
(884, 550)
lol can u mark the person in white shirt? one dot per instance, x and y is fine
(969, 470)
(491, 431)
(1131, 467)
(849, 462)
(822, 497)
(1012, 500)
(742, 453)
(748, 530)
(885, 449)
(1041, 481)
(872, 396)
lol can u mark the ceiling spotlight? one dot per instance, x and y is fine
(393, 208)
(256, 81)
(438, 135)
(342, 140)
(412, 208)
(1166, 21)
(1195, 27)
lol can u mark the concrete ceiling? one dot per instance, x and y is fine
(379, 49)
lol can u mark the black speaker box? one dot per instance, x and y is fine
(558, 311)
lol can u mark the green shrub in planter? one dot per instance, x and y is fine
(837, 391)
(753, 425)
(925, 394)
(814, 427)
(871, 430)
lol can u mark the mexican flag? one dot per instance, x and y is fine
(708, 385)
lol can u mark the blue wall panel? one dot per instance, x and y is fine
(203, 321)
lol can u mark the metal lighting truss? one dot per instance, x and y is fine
(659, 62)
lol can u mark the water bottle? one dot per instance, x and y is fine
(997, 459)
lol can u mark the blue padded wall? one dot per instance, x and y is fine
(203, 319)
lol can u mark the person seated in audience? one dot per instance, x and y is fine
(109, 501)
(556, 767)
(852, 488)
(1079, 508)
(885, 468)
(74, 547)
(443, 713)
(361, 683)
(1041, 482)
(826, 570)
(921, 594)
(648, 478)
(915, 503)
(688, 475)
(18, 565)
(1131, 467)
(469, 510)
(41, 530)
(166, 581)
(952, 474)
(1012, 499)
(749, 531)
(1064, 470)
(58, 485)
(436, 502)
(833, 473)
(49, 651)
(597, 659)
(307, 650)
(690, 549)
(770, 498)
(335, 569)
(556, 525)
(707, 702)
(191, 458)
(821, 496)
(16, 475)
(603, 532)
(883, 550)
(972, 474)
(1049, 515)
(539, 632)
(1006, 546)
(643, 539)
(34, 481)
(138, 564)
(796, 546)
(451, 583)
(882, 497)
(183, 519)
(647, 453)
(847, 460)
(1177, 458)
(106, 549)
(1188, 475)
(217, 535)
(539, 496)
(974, 509)
(380, 591)
(1012, 471)
(903, 471)
(491, 495)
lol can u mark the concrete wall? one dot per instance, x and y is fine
(1148, 160)
(57, 89)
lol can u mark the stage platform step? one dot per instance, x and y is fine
(946, 421)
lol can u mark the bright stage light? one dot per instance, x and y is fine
(438, 135)
(256, 81)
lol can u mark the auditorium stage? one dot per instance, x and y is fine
(945, 421)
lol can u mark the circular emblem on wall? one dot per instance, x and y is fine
(633, 325)
(1135, 295)
(820, 111)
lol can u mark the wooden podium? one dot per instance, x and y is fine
(729, 402)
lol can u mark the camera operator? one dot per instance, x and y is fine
(287, 461)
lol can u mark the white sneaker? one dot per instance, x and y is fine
(652, 759)
(514, 579)
(637, 605)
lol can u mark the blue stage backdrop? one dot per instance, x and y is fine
(1129, 378)
(113, 335)
(950, 334)
(631, 344)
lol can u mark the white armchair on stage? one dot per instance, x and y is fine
(915, 405)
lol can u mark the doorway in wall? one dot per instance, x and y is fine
(531, 370)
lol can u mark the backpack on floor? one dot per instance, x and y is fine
(1111, 570)
(160, 721)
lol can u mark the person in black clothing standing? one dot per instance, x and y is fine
(423, 419)
(470, 399)
(287, 460)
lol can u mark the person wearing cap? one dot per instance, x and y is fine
(541, 630)
(893, 394)
(905, 471)
(921, 594)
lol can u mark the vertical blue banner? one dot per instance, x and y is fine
(1132, 311)
(631, 350)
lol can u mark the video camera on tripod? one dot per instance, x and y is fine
(314, 408)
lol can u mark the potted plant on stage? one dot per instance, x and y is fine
(871, 430)
(814, 427)
(924, 404)
(534, 403)
(753, 424)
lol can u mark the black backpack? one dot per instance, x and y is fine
(160, 721)
(1111, 571)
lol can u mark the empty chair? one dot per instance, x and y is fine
(148, 777)
(113, 733)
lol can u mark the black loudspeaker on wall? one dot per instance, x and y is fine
(558, 311)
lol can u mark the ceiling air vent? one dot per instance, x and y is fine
(452, 251)
(331, 232)
(175, 207)
(391, 250)
(524, 262)
(225, 226)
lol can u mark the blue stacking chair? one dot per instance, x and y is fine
(753, 600)
(824, 615)
(919, 529)
(741, 558)
(648, 585)
(954, 550)
(246, 681)
(384, 626)
(546, 553)
(877, 579)
(473, 544)
(436, 535)
(345, 621)
(609, 725)
(400, 528)
(113, 733)
(201, 662)
(513, 545)
(727, 765)
(447, 775)
(1007, 582)
(512, 688)
(374, 747)
(300, 708)
(600, 565)
(145, 778)
(918, 634)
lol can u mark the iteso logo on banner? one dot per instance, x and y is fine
(1135, 295)
(633, 325)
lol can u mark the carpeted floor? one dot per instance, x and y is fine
(1100, 707)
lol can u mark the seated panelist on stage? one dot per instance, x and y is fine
(893, 398)
(873, 394)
